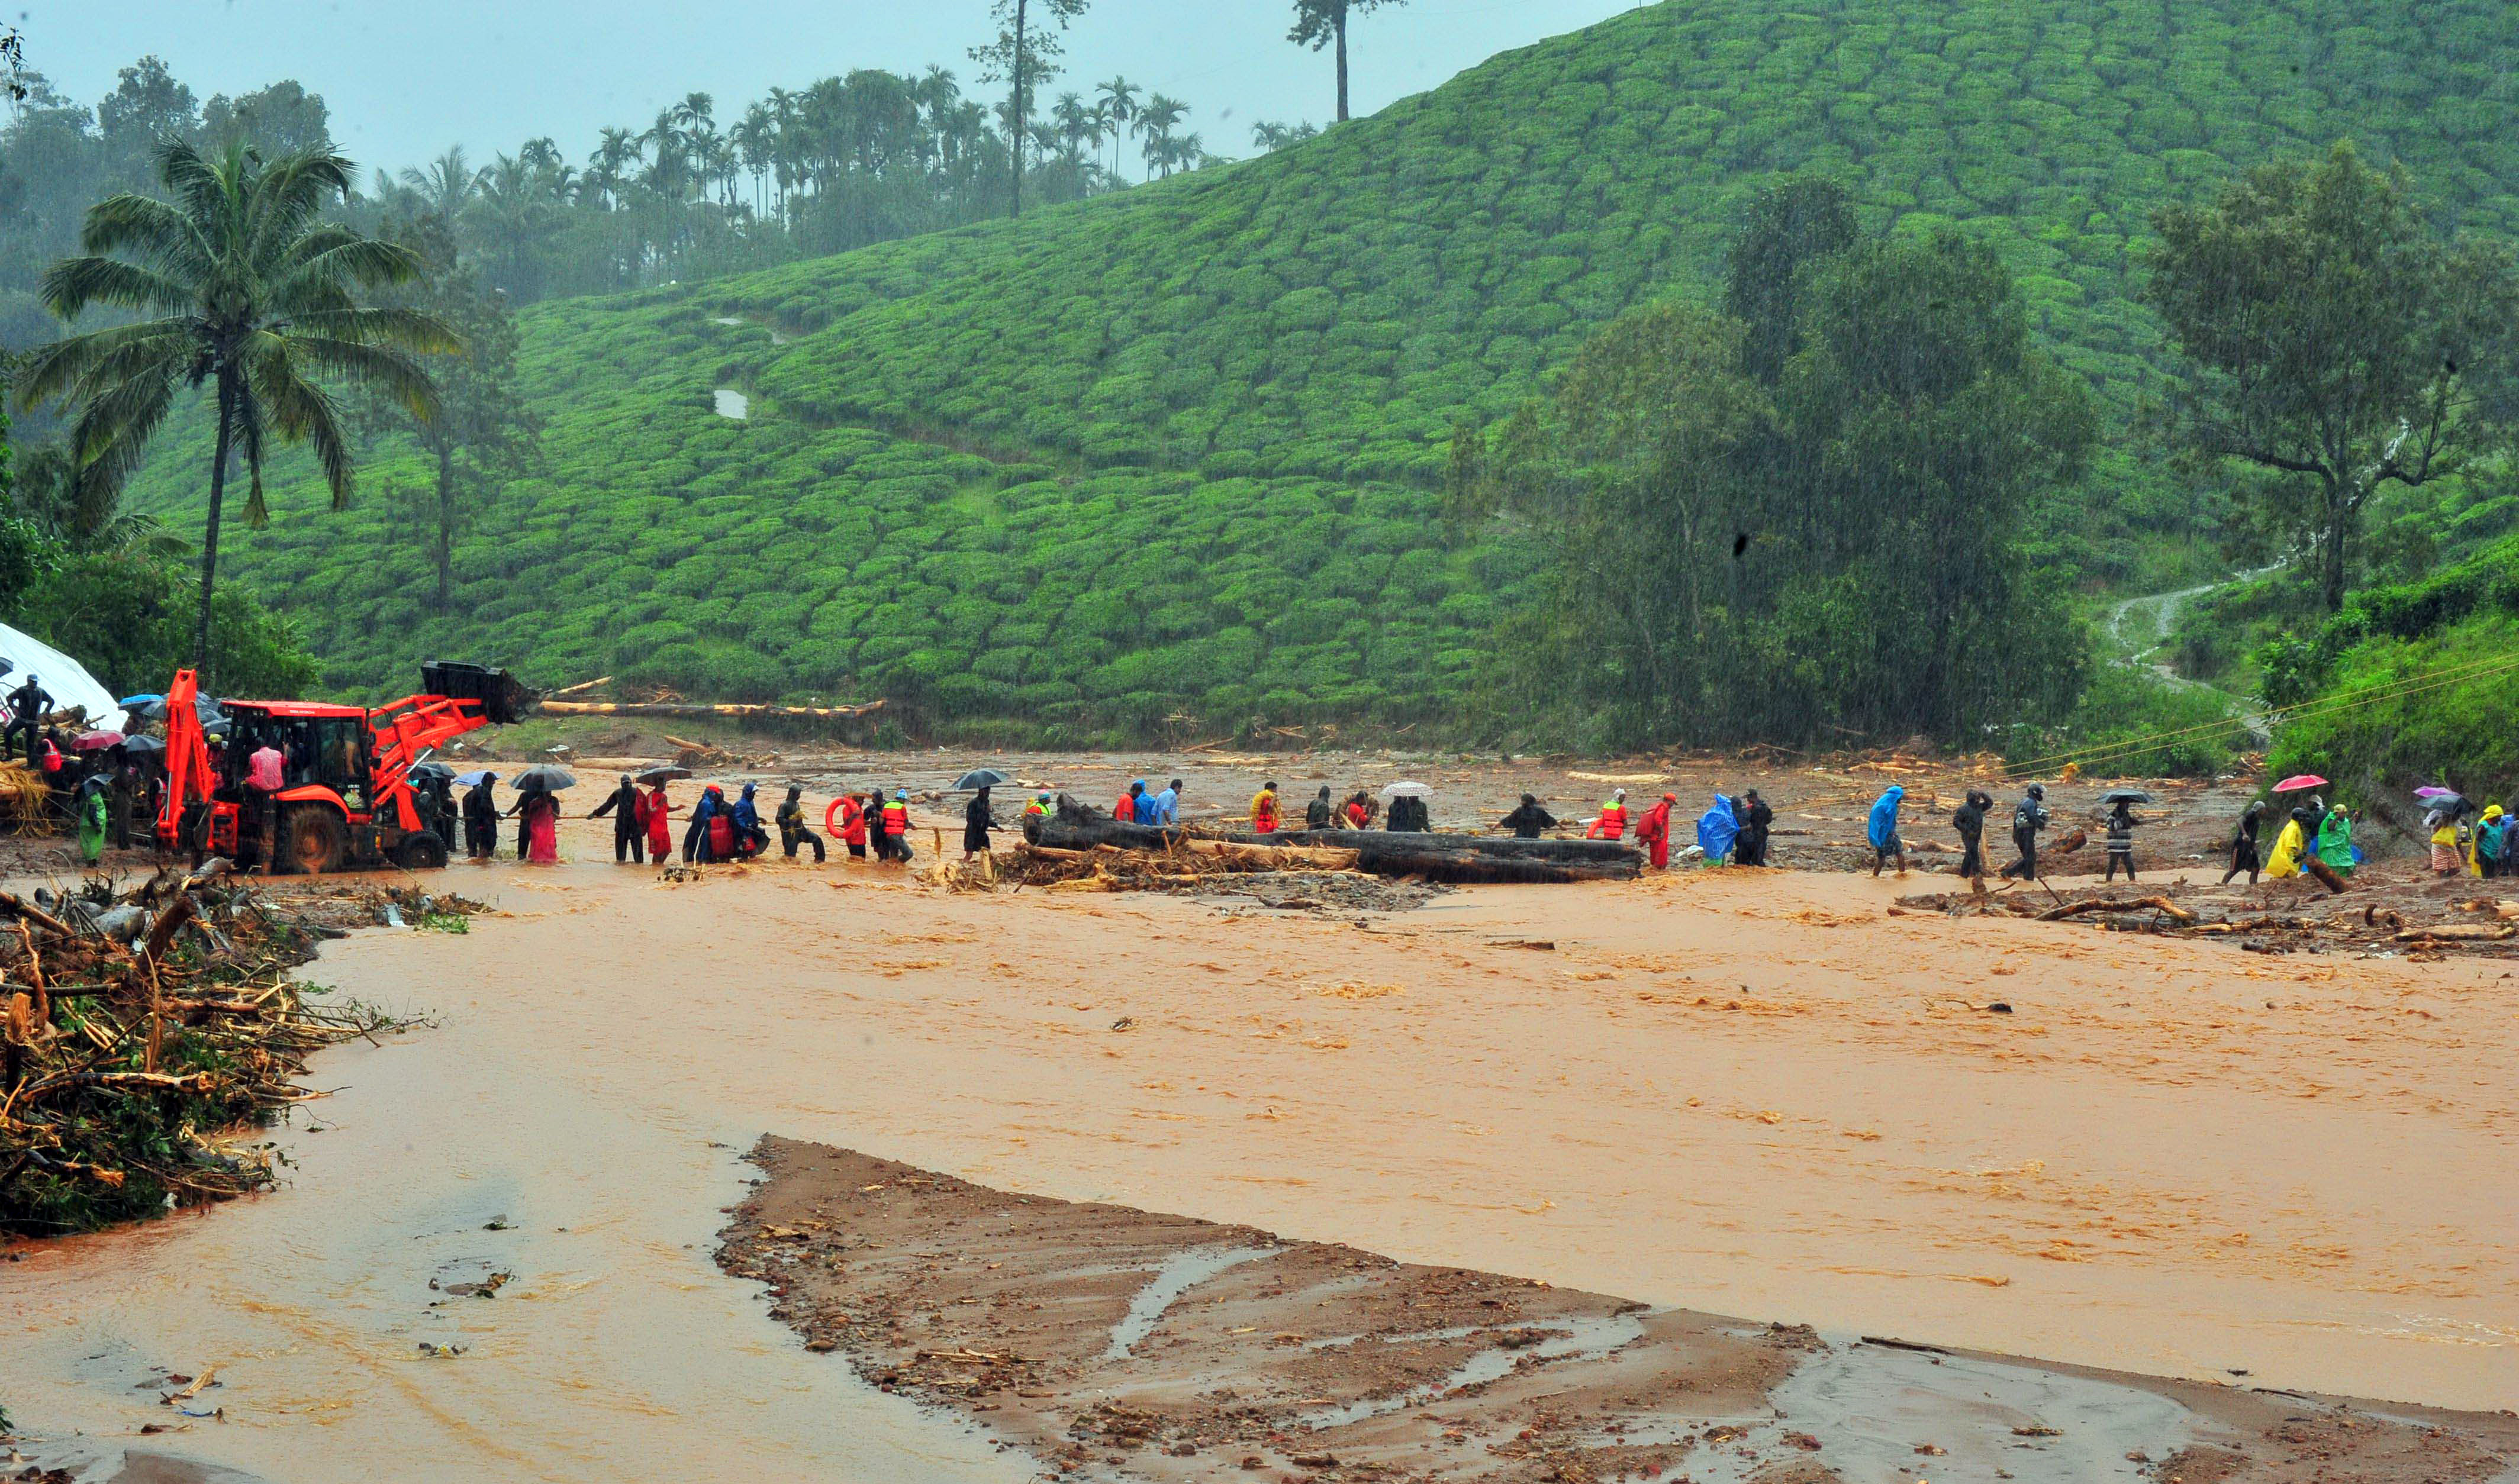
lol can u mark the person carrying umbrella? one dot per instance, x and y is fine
(1881, 828)
(2028, 818)
(655, 818)
(629, 836)
(1969, 821)
(1526, 820)
(977, 821)
(537, 815)
(2120, 840)
(792, 830)
(481, 819)
(2243, 844)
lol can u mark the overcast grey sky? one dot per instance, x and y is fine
(405, 78)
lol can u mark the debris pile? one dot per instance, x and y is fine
(2406, 923)
(145, 1032)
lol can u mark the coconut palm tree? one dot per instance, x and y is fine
(448, 183)
(1119, 107)
(238, 282)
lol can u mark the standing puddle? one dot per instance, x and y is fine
(732, 404)
(1179, 1274)
(1576, 1340)
(1873, 1407)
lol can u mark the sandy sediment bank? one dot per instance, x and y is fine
(1113, 1343)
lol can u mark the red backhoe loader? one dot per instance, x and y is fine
(347, 803)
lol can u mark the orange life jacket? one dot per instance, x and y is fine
(896, 818)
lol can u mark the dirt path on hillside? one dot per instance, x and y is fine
(1116, 1344)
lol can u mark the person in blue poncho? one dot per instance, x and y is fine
(1885, 843)
(1717, 829)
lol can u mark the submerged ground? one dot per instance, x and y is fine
(1760, 1095)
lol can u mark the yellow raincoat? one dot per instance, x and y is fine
(2287, 848)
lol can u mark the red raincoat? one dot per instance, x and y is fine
(653, 812)
(1652, 832)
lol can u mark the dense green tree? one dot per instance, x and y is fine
(1323, 23)
(236, 282)
(480, 433)
(282, 119)
(1786, 229)
(2327, 330)
(1022, 56)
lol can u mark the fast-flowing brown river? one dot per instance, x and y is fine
(1750, 1094)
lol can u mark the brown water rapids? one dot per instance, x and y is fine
(1754, 1094)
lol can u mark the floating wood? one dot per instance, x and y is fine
(729, 710)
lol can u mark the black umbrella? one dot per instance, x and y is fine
(205, 709)
(135, 746)
(433, 769)
(545, 775)
(665, 773)
(981, 778)
(2125, 796)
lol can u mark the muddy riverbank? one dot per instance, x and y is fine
(1113, 1343)
(1743, 1094)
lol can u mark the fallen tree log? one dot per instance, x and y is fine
(1450, 858)
(1276, 857)
(2161, 904)
(732, 710)
(2457, 932)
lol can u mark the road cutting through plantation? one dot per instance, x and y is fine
(1766, 1095)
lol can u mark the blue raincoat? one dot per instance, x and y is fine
(1716, 829)
(1884, 818)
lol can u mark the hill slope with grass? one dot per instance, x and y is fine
(1177, 451)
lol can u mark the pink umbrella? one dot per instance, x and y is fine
(2298, 781)
(94, 741)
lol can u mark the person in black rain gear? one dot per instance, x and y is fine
(2120, 840)
(977, 821)
(1969, 821)
(628, 836)
(1318, 814)
(481, 819)
(1408, 812)
(750, 839)
(1757, 820)
(792, 829)
(1528, 820)
(2028, 818)
(2243, 845)
(26, 706)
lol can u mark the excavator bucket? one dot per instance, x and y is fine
(505, 699)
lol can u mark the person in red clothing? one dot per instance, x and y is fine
(656, 815)
(1652, 831)
(846, 818)
(1125, 811)
(1612, 821)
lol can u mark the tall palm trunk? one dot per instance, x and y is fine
(445, 527)
(1342, 61)
(1015, 125)
(210, 532)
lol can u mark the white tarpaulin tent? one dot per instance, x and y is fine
(66, 679)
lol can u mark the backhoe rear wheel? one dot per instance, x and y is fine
(423, 851)
(313, 839)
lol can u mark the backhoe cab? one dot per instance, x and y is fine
(346, 800)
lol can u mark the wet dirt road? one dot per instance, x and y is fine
(1753, 1095)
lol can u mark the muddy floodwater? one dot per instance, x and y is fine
(1748, 1094)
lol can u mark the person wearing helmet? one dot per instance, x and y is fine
(2028, 818)
(1612, 822)
(1969, 821)
(896, 826)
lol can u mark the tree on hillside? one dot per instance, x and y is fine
(1117, 102)
(282, 119)
(2329, 331)
(236, 282)
(480, 432)
(1022, 55)
(1785, 230)
(1323, 23)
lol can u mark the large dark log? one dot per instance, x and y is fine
(1460, 859)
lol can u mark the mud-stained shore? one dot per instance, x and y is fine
(1113, 1343)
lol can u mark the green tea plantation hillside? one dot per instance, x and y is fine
(1175, 451)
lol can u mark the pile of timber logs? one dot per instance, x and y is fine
(1452, 858)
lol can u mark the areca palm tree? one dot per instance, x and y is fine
(238, 283)
(1118, 107)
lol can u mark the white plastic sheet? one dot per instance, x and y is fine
(66, 679)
